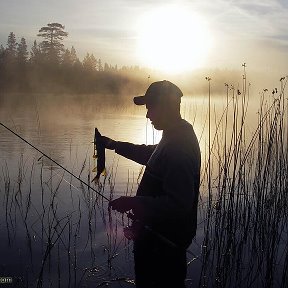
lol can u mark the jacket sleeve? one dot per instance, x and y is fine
(180, 191)
(137, 153)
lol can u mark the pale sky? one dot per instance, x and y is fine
(251, 31)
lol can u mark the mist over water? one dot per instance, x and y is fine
(64, 124)
(41, 195)
(65, 129)
(45, 209)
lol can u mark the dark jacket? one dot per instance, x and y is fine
(167, 195)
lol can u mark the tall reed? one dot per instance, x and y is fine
(246, 228)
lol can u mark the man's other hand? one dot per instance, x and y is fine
(122, 204)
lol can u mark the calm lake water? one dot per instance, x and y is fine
(55, 232)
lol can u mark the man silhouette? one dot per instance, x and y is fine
(167, 196)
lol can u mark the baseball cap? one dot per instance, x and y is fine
(160, 92)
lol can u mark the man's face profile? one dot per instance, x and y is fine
(156, 112)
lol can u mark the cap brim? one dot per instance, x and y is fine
(140, 100)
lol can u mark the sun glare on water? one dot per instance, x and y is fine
(173, 40)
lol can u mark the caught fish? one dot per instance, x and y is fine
(99, 153)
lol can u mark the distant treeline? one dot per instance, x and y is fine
(51, 68)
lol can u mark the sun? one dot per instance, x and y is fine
(173, 40)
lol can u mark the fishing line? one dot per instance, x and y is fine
(129, 215)
(52, 160)
(66, 170)
(61, 166)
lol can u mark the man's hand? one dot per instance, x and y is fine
(108, 142)
(122, 204)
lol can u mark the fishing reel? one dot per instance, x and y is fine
(132, 232)
(129, 233)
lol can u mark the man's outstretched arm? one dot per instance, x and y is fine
(137, 153)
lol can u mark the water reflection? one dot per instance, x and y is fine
(55, 229)
(61, 227)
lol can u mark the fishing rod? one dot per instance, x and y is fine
(58, 164)
(127, 232)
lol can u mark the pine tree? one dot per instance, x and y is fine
(89, 62)
(100, 66)
(52, 46)
(35, 54)
(22, 53)
(2, 52)
(2, 67)
(67, 59)
(9, 70)
(12, 45)
(2, 58)
(74, 57)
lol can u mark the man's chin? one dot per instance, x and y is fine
(157, 127)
